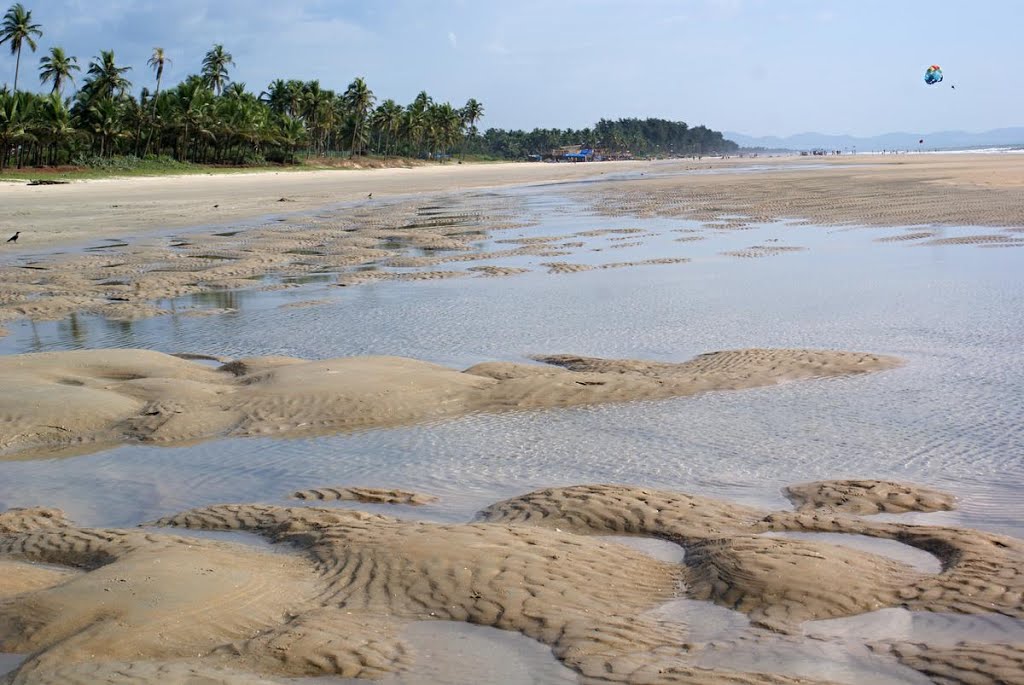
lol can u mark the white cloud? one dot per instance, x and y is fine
(452, 39)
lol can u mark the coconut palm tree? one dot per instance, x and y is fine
(196, 104)
(291, 134)
(57, 125)
(471, 113)
(444, 125)
(157, 61)
(215, 68)
(416, 119)
(358, 100)
(389, 122)
(296, 94)
(106, 79)
(57, 67)
(12, 124)
(105, 116)
(277, 96)
(17, 29)
(235, 91)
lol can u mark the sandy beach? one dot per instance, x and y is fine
(52, 215)
(742, 421)
(83, 210)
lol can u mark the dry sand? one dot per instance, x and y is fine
(335, 602)
(50, 215)
(83, 398)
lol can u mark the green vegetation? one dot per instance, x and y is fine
(635, 137)
(208, 119)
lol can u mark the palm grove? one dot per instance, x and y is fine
(208, 118)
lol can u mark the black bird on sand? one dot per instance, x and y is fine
(370, 196)
(14, 238)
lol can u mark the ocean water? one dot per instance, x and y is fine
(952, 418)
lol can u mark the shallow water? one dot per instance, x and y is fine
(915, 558)
(9, 662)
(456, 653)
(952, 418)
(938, 629)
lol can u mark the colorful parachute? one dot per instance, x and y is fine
(933, 75)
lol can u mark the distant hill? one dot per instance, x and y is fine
(886, 141)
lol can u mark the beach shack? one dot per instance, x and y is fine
(583, 155)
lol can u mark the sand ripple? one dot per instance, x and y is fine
(867, 497)
(158, 607)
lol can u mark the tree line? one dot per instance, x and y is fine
(635, 137)
(209, 118)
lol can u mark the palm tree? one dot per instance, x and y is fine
(291, 134)
(277, 96)
(57, 67)
(106, 79)
(55, 121)
(235, 91)
(471, 113)
(215, 68)
(17, 29)
(296, 94)
(12, 124)
(416, 119)
(106, 123)
(195, 104)
(444, 124)
(157, 61)
(389, 120)
(358, 99)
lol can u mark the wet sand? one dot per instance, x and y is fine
(99, 398)
(336, 601)
(907, 190)
(439, 236)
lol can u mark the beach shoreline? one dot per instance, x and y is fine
(54, 215)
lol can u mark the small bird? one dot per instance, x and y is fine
(14, 238)
(370, 196)
(216, 206)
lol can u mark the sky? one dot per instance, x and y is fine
(759, 67)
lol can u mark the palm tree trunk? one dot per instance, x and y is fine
(17, 65)
(152, 123)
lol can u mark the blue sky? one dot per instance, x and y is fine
(754, 66)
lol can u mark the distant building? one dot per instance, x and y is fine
(573, 153)
(584, 155)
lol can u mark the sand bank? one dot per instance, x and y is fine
(101, 397)
(906, 190)
(335, 602)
